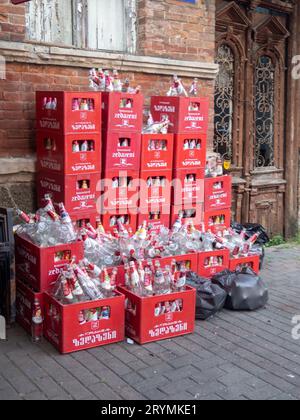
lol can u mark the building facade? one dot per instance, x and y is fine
(254, 97)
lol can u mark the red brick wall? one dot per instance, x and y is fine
(17, 99)
(12, 21)
(166, 28)
(175, 29)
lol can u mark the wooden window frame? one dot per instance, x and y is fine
(79, 31)
(238, 98)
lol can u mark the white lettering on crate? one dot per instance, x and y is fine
(83, 167)
(84, 126)
(93, 338)
(157, 164)
(194, 118)
(122, 116)
(191, 163)
(217, 196)
(123, 155)
(164, 108)
(164, 330)
(82, 198)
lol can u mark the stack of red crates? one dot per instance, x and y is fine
(122, 121)
(218, 203)
(156, 180)
(189, 123)
(36, 270)
(69, 151)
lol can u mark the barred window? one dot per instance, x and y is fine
(224, 102)
(265, 112)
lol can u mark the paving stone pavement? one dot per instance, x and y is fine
(234, 356)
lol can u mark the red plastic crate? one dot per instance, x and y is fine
(68, 189)
(55, 153)
(188, 186)
(179, 110)
(123, 196)
(40, 267)
(252, 262)
(64, 331)
(144, 327)
(157, 219)
(189, 260)
(157, 152)
(63, 119)
(218, 193)
(193, 213)
(25, 298)
(116, 116)
(121, 150)
(130, 216)
(213, 222)
(155, 196)
(206, 269)
(190, 151)
(82, 219)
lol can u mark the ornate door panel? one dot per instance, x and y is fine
(250, 96)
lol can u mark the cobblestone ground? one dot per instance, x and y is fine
(233, 356)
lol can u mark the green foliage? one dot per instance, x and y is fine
(276, 241)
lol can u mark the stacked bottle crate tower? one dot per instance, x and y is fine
(69, 148)
(122, 121)
(188, 123)
(201, 193)
(94, 156)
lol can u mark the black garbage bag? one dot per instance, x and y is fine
(251, 229)
(210, 298)
(248, 292)
(224, 280)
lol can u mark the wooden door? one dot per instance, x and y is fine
(250, 105)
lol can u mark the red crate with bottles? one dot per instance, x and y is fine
(190, 151)
(156, 219)
(187, 115)
(68, 112)
(237, 264)
(212, 262)
(189, 213)
(155, 188)
(128, 217)
(218, 193)
(188, 186)
(80, 193)
(217, 220)
(121, 150)
(157, 152)
(40, 267)
(120, 189)
(122, 111)
(155, 318)
(84, 325)
(69, 154)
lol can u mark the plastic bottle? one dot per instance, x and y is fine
(37, 322)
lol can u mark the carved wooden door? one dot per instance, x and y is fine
(252, 39)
